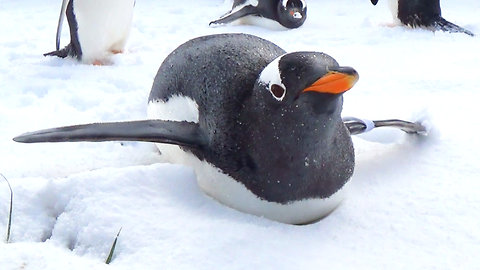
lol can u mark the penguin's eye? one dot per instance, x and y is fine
(297, 15)
(277, 91)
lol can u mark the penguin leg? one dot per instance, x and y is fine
(446, 26)
(73, 48)
(359, 126)
(172, 132)
(230, 17)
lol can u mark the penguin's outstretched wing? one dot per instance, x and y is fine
(359, 126)
(235, 15)
(60, 23)
(172, 132)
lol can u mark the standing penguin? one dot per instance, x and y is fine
(261, 128)
(422, 13)
(288, 13)
(98, 28)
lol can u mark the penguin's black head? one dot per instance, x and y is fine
(311, 80)
(292, 13)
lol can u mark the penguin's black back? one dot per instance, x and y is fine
(266, 8)
(426, 13)
(218, 72)
(419, 12)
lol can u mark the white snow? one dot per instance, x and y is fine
(413, 202)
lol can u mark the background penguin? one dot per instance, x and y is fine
(422, 13)
(261, 127)
(288, 13)
(97, 28)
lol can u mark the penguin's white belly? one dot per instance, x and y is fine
(229, 191)
(393, 6)
(103, 26)
(260, 21)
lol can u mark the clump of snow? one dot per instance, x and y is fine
(413, 202)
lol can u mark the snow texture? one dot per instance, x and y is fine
(413, 202)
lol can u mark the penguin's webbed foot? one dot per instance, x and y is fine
(62, 53)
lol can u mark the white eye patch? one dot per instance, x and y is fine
(270, 76)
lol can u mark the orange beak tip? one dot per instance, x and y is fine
(334, 82)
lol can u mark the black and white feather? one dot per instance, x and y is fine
(422, 13)
(98, 28)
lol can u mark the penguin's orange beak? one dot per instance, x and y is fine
(336, 81)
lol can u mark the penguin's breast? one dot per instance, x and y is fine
(223, 187)
(102, 25)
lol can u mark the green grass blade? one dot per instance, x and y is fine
(110, 255)
(11, 208)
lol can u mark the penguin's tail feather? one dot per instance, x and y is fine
(68, 50)
(446, 26)
(359, 126)
(159, 131)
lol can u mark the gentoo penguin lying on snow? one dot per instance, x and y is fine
(261, 127)
(288, 13)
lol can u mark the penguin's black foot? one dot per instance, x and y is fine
(446, 26)
(61, 53)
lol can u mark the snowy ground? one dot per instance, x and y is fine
(413, 203)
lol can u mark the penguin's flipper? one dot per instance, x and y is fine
(172, 132)
(235, 15)
(374, 2)
(446, 26)
(60, 23)
(359, 126)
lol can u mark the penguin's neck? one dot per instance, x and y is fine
(296, 148)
